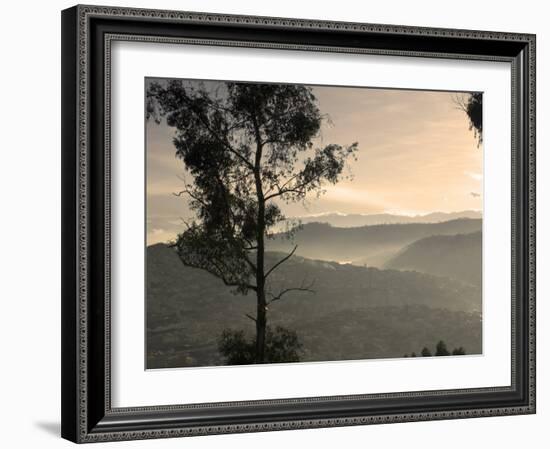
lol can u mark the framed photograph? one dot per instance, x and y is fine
(275, 224)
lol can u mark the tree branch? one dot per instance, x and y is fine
(298, 188)
(192, 195)
(249, 262)
(250, 316)
(217, 272)
(220, 275)
(283, 260)
(302, 288)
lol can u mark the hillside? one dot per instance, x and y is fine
(370, 312)
(383, 332)
(457, 256)
(366, 245)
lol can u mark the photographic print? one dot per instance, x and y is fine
(304, 223)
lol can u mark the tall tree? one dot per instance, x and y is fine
(247, 147)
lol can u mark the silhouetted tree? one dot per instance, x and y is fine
(441, 349)
(246, 146)
(281, 346)
(426, 352)
(471, 104)
(236, 349)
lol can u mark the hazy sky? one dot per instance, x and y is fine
(416, 155)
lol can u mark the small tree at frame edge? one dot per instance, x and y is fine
(246, 146)
(471, 104)
(441, 349)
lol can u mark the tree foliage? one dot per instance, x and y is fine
(441, 349)
(282, 346)
(471, 104)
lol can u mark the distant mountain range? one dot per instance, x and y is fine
(367, 245)
(355, 312)
(355, 220)
(457, 256)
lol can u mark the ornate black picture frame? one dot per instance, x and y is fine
(87, 34)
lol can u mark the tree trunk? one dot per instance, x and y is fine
(261, 319)
(261, 322)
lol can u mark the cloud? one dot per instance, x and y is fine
(476, 176)
(159, 235)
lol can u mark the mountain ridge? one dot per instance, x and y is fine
(458, 256)
(337, 219)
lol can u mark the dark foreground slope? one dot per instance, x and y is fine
(355, 312)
